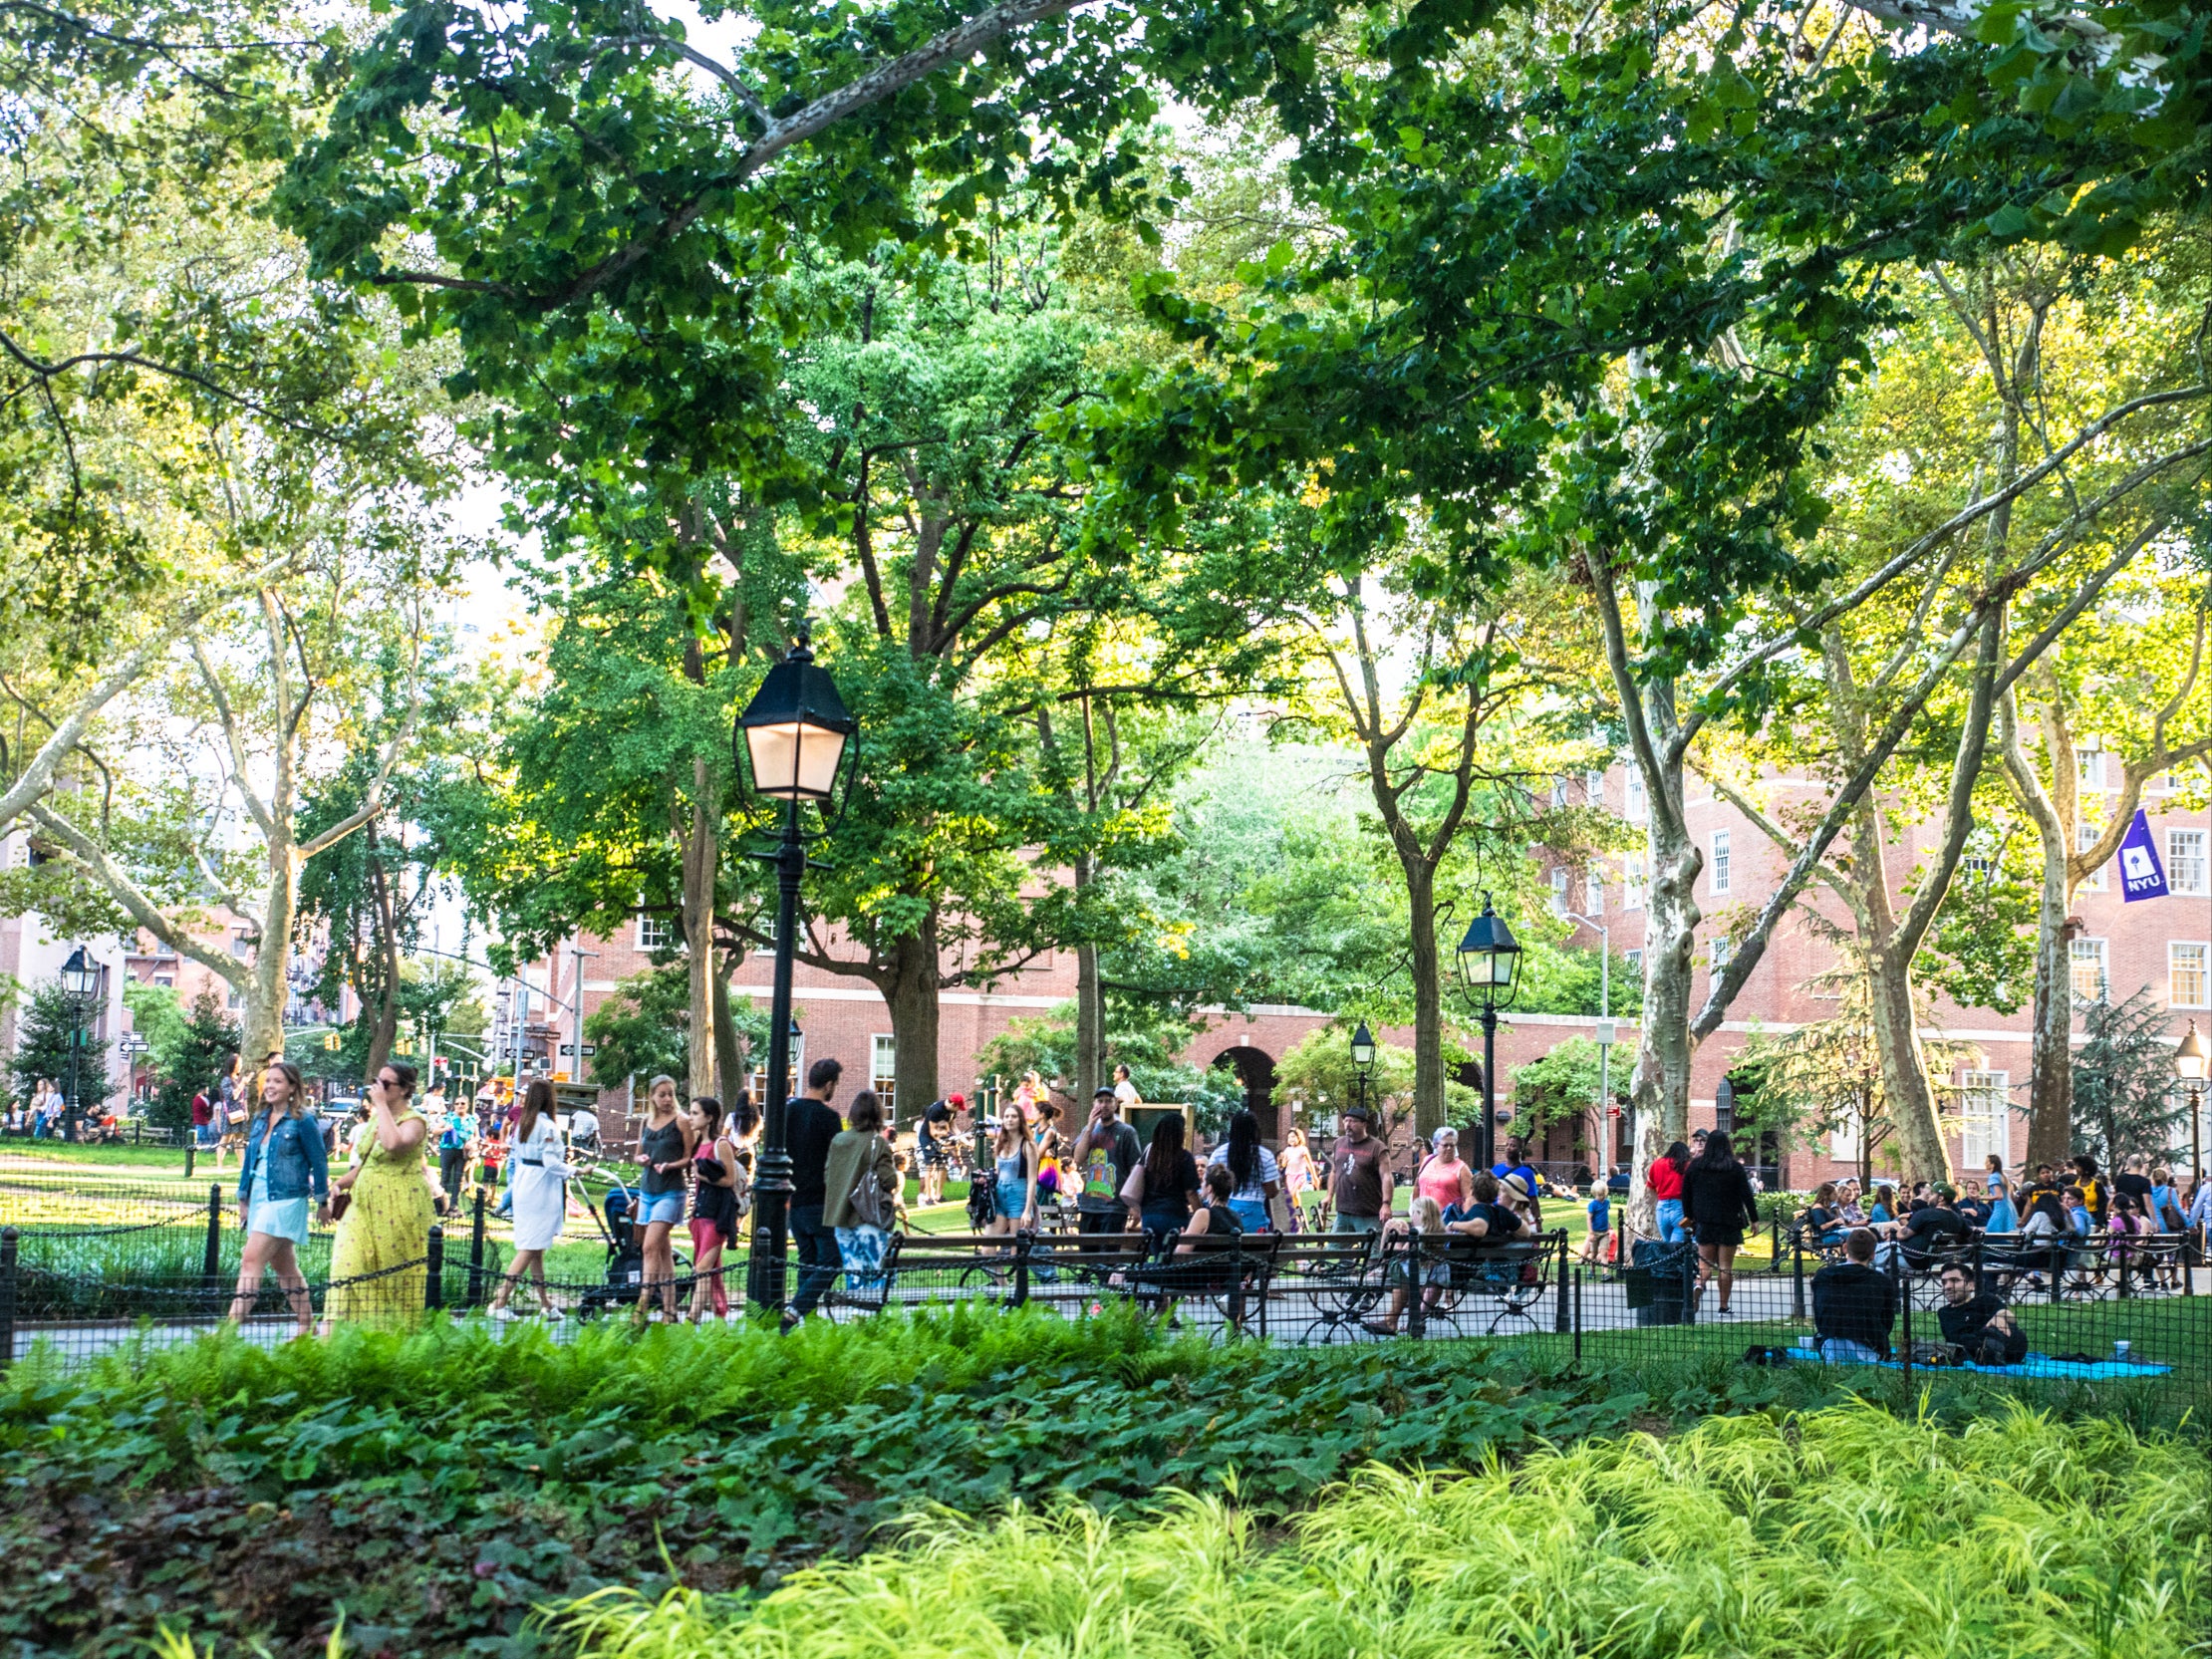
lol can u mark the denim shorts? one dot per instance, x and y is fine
(658, 1207)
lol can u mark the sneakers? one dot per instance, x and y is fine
(791, 1321)
(502, 1315)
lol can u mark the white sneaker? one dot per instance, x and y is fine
(733, 1317)
(502, 1315)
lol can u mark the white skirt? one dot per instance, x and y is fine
(540, 1207)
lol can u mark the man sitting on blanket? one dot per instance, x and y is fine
(1980, 1324)
(1853, 1306)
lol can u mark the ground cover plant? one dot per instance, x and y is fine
(436, 1487)
(1843, 1532)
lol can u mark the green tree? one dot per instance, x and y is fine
(643, 1029)
(2124, 1099)
(1560, 1088)
(188, 1047)
(51, 1030)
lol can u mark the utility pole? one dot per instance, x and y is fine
(578, 955)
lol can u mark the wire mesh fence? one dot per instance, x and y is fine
(128, 1267)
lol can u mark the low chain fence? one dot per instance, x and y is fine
(2097, 1311)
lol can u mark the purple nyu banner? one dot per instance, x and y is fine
(2141, 875)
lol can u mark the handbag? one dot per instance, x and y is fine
(870, 1203)
(339, 1202)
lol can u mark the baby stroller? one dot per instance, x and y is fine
(625, 1258)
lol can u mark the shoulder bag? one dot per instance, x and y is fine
(871, 1204)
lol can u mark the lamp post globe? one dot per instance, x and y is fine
(1489, 968)
(1363, 1060)
(795, 744)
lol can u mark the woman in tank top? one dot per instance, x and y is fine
(1445, 1177)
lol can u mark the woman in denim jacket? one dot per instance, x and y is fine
(284, 1165)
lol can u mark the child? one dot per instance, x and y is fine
(1600, 1211)
(1424, 1217)
(2078, 1210)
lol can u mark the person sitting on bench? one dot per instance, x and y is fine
(1980, 1324)
(1485, 1217)
(1853, 1306)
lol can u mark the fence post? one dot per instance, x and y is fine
(1796, 1272)
(1904, 1299)
(476, 1254)
(1577, 1315)
(433, 1288)
(1774, 1254)
(1562, 1321)
(1690, 1288)
(2123, 1255)
(8, 1247)
(1022, 1241)
(2058, 1273)
(190, 1147)
(211, 1260)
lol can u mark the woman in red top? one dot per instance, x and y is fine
(1664, 1178)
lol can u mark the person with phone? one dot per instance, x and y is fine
(377, 1269)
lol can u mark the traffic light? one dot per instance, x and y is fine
(332, 1041)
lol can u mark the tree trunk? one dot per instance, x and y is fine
(1912, 1104)
(730, 1065)
(910, 988)
(702, 864)
(262, 1023)
(1660, 1087)
(1428, 1001)
(387, 1032)
(1090, 1004)
(2051, 1053)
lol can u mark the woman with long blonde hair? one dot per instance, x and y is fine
(282, 1167)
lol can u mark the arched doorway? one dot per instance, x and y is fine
(1256, 1070)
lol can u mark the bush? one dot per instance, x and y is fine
(1845, 1532)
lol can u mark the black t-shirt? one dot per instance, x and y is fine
(1932, 1228)
(1503, 1224)
(808, 1128)
(1819, 1220)
(1182, 1179)
(1966, 1323)
(2136, 1186)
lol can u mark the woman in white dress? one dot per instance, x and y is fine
(281, 1168)
(537, 1174)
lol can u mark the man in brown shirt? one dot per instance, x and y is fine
(1360, 1175)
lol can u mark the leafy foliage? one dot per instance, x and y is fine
(188, 1050)
(2124, 1098)
(51, 1027)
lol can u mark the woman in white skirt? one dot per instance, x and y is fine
(537, 1176)
(281, 1170)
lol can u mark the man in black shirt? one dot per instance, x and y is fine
(1853, 1306)
(1980, 1324)
(810, 1125)
(1934, 1229)
(2134, 1181)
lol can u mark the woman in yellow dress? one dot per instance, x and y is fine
(389, 1222)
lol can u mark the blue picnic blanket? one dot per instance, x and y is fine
(2035, 1366)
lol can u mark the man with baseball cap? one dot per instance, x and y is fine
(1360, 1175)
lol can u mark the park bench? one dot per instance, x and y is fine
(1232, 1272)
(1504, 1280)
(1334, 1280)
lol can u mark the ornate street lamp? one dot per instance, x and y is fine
(1363, 1059)
(793, 741)
(79, 979)
(1489, 966)
(2189, 1058)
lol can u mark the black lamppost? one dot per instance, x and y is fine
(795, 736)
(1489, 963)
(1363, 1060)
(79, 982)
(2189, 1062)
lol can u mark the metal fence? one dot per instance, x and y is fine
(2097, 1311)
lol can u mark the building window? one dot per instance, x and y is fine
(1560, 879)
(2185, 860)
(167, 980)
(1639, 804)
(241, 945)
(1594, 886)
(1558, 791)
(1635, 961)
(1632, 882)
(1720, 861)
(1719, 952)
(2085, 837)
(2089, 766)
(2089, 979)
(656, 933)
(883, 1073)
(761, 1068)
(1594, 788)
(1844, 1140)
(2185, 975)
(235, 1000)
(1982, 1117)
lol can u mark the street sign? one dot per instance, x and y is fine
(590, 1048)
(1606, 1033)
(133, 1044)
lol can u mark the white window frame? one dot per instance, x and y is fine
(1717, 953)
(882, 1073)
(1983, 1118)
(2085, 837)
(1637, 800)
(798, 1070)
(1632, 881)
(2191, 862)
(2082, 953)
(1560, 877)
(2089, 769)
(656, 933)
(2174, 971)
(1723, 857)
(1593, 891)
(1843, 1142)
(1635, 959)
